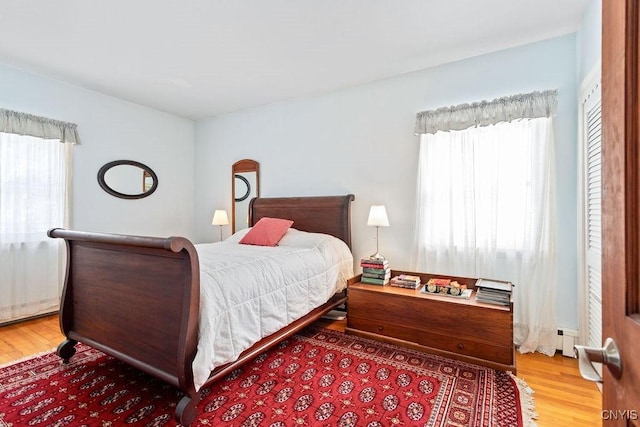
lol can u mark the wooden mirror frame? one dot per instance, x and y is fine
(242, 166)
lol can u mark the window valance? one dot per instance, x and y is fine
(41, 127)
(485, 113)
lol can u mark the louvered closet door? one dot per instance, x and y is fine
(592, 214)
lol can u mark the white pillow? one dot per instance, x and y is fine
(237, 236)
(303, 239)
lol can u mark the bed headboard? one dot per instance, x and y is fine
(315, 214)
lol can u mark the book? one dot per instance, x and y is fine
(376, 266)
(383, 275)
(406, 285)
(406, 281)
(498, 285)
(484, 297)
(408, 278)
(366, 263)
(376, 270)
(375, 261)
(372, 281)
(495, 293)
(501, 303)
(490, 296)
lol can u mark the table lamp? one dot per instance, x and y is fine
(377, 218)
(220, 218)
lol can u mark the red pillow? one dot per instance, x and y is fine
(267, 232)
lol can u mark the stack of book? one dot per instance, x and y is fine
(375, 271)
(406, 281)
(494, 292)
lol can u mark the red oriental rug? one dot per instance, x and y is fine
(316, 378)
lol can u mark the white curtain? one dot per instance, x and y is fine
(35, 194)
(486, 208)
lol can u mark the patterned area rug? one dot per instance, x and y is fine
(316, 378)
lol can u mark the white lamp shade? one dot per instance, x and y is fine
(220, 218)
(378, 216)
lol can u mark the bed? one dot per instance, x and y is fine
(138, 298)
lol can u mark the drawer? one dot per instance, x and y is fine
(455, 344)
(449, 343)
(382, 328)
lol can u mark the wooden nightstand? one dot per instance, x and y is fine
(462, 329)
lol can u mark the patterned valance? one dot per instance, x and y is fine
(41, 127)
(485, 113)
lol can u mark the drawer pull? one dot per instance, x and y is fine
(461, 346)
(380, 328)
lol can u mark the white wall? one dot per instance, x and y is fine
(360, 140)
(589, 39)
(113, 129)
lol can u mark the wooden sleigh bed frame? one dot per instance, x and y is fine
(137, 298)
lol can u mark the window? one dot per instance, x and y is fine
(486, 206)
(34, 197)
(32, 190)
(477, 186)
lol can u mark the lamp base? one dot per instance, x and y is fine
(378, 256)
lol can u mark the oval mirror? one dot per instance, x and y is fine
(127, 179)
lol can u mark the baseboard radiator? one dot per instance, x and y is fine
(565, 340)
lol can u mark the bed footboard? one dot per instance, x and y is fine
(137, 299)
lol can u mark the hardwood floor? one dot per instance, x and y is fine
(19, 340)
(562, 397)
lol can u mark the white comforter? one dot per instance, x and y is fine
(248, 292)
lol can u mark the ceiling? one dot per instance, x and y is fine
(199, 58)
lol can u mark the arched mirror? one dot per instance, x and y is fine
(127, 179)
(244, 187)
